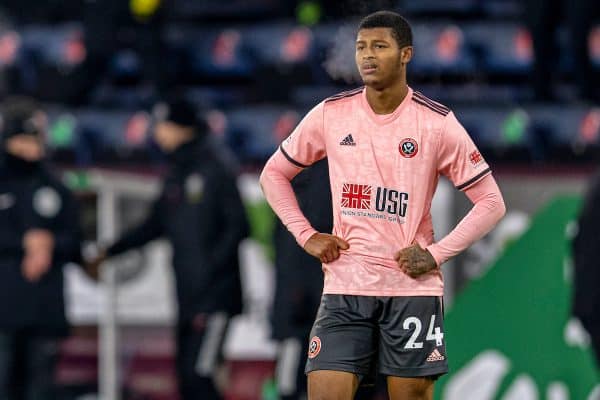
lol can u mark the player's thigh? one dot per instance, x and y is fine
(332, 385)
(344, 336)
(410, 388)
(411, 337)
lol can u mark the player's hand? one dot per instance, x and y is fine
(38, 239)
(325, 247)
(415, 261)
(92, 267)
(35, 264)
(38, 246)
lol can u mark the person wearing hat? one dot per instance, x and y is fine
(39, 234)
(200, 212)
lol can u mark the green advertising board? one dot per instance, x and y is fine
(510, 335)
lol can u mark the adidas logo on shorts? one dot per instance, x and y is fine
(435, 356)
(348, 141)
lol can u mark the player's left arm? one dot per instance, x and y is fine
(459, 160)
(488, 208)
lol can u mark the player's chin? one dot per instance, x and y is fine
(373, 82)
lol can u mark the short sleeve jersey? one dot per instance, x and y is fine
(384, 170)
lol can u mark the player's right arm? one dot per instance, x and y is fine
(302, 148)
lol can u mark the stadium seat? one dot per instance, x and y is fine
(441, 49)
(254, 132)
(503, 48)
(56, 45)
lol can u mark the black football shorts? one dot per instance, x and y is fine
(394, 336)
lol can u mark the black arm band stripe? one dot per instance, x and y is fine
(473, 180)
(290, 159)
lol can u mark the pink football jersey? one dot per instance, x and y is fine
(384, 170)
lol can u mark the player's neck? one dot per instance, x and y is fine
(385, 101)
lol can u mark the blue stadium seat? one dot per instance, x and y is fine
(490, 8)
(412, 7)
(280, 43)
(569, 126)
(594, 46)
(109, 136)
(486, 125)
(501, 8)
(220, 53)
(473, 93)
(214, 96)
(255, 132)
(124, 97)
(223, 8)
(441, 48)
(61, 45)
(504, 48)
(10, 48)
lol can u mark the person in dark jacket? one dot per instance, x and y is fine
(201, 213)
(299, 282)
(586, 256)
(39, 234)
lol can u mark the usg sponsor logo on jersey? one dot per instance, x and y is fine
(391, 201)
(388, 201)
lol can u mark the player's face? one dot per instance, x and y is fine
(380, 61)
(170, 136)
(26, 147)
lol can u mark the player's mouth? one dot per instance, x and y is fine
(369, 68)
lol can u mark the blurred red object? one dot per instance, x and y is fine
(9, 46)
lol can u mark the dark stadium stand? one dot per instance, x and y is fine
(255, 67)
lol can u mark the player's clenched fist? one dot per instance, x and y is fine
(325, 247)
(415, 261)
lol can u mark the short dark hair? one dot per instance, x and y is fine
(400, 27)
(16, 116)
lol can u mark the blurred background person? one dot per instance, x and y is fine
(299, 282)
(39, 234)
(545, 20)
(586, 256)
(201, 213)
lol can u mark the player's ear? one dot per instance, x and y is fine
(406, 54)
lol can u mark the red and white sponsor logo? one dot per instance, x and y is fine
(435, 356)
(356, 196)
(475, 157)
(314, 347)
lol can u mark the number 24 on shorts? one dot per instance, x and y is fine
(433, 332)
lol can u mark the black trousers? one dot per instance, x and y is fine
(199, 354)
(27, 364)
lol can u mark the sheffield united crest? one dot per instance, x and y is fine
(408, 148)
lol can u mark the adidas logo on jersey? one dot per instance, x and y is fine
(348, 141)
(435, 356)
